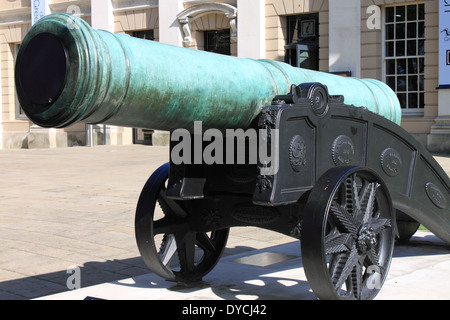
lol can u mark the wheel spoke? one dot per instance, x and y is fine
(168, 225)
(363, 195)
(369, 203)
(343, 220)
(380, 224)
(355, 196)
(356, 281)
(339, 244)
(344, 267)
(186, 251)
(168, 249)
(205, 242)
(349, 201)
(372, 256)
(170, 206)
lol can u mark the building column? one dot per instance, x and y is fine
(438, 141)
(39, 137)
(345, 36)
(1, 110)
(439, 138)
(102, 12)
(251, 26)
(169, 26)
(102, 15)
(169, 33)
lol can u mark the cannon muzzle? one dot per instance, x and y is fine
(66, 72)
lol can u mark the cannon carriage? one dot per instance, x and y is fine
(349, 183)
(310, 155)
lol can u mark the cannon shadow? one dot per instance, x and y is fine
(274, 273)
(92, 273)
(239, 277)
(236, 277)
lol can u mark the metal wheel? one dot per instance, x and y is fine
(406, 229)
(348, 234)
(406, 226)
(164, 237)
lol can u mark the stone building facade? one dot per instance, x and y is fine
(395, 41)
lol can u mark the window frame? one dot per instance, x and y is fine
(307, 44)
(137, 33)
(19, 113)
(228, 36)
(409, 112)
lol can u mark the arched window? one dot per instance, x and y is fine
(190, 14)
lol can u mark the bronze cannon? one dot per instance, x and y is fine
(308, 154)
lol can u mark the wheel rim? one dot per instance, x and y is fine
(165, 240)
(348, 235)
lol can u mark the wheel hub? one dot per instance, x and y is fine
(367, 238)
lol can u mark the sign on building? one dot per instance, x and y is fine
(37, 10)
(444, 43)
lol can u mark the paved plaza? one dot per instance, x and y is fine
(74, 207)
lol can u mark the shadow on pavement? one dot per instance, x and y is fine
(92, 273)
(247, 282)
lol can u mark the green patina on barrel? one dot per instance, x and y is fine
(66, 72)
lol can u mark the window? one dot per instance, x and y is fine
(144, 34)
(20, 114)
(404, 35)
(218, 41)
(302, 49)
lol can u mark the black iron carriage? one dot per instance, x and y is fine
(349, 183)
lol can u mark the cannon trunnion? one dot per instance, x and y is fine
(344, 179)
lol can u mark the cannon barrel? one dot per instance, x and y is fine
(66, 72)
